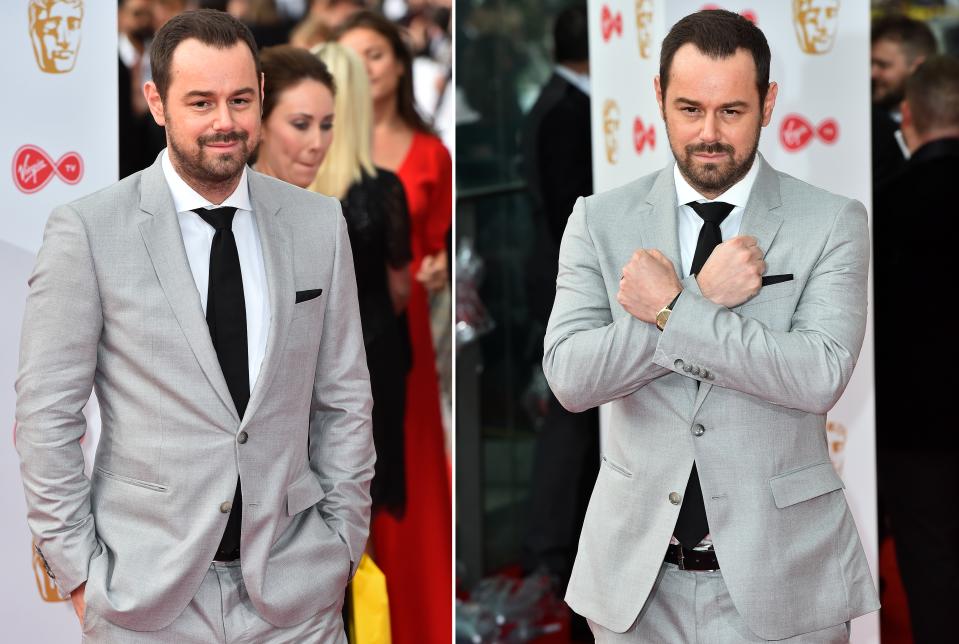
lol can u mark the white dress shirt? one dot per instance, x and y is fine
(690, 223)
(198, 238)
(577, 80)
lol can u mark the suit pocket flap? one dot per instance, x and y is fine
(805, 483)
(303, 493)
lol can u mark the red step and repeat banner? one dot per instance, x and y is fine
(58, 141)
(819, 133)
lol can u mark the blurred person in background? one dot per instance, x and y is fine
(918, 453)
(414, 553)
(268, 25)
(374, 206)
(141, 139)
(163, 10)
(899, 45)
(298, 110)
(322, 19)
(558, 167)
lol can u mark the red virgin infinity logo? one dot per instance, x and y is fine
(643, 135)
(796, 132)
(33, 168)
(610, 23)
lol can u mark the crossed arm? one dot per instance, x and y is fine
(591, 358)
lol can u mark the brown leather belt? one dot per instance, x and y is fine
(696, 560)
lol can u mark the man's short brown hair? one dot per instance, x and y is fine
(933, 94)
(214, 28)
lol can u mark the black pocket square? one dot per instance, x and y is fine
(769, 280)
(303, 296)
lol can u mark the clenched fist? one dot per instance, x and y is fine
(649, 283)
(733, 273)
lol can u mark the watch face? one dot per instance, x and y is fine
(661, 318)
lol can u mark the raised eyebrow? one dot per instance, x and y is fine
(200, 93)
(734, 104)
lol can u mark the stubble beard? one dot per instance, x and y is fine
(209, 168)
(714, 178)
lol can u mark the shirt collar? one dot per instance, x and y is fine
(577, 80)
(186, 198)
(737, 194)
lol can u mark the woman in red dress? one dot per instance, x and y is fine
(416, 552)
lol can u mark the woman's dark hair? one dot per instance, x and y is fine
(283, 67)
(718, 34)
(212, 28)
(405, 102)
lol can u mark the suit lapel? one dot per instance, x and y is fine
(275, 241)
(660, 229)
(761, 220)
(164, 242)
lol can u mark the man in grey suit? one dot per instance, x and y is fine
(719, 307)
(214, 312)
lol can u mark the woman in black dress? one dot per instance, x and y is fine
(377, 219)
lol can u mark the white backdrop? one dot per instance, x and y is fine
(58, 142)
(819, 132)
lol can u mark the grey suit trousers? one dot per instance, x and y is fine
(695, 608)
(221, 613)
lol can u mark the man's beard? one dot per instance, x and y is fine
(715, 177)
(890, 100)
(211, 168)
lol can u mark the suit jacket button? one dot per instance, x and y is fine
(688, 368)
(679, 365)
(675, 498)
(698, 430)
(705, 374)
(241, 437)
(696, 371)
(225, 507)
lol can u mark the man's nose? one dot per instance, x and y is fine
(710, 131)
(224, 117)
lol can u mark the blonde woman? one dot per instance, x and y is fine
(374, 206)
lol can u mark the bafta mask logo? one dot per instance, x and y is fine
(796, 132)
(836, 435)
(816, 22)
(643, 136)
(644, 27)
(610, 127)
(55, 33)
(33, 168)
(610, 23)
(45, 586)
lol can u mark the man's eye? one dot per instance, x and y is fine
(201, 104)
(689, 110)
(730, 112)
(240, 101)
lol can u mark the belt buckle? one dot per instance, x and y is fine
(680, 557)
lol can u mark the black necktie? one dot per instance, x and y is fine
(226, 319)
(692, 526)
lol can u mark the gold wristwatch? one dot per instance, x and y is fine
(663, 316)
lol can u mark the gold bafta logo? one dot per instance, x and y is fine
(610, 126)
(55, 33)
(836, 434)
(816, 23)
(644, 26)
(48, 591)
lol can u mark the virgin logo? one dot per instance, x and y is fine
(33, 168)
(643, 136)
(610, 23)
(796, 132)
(748, 14)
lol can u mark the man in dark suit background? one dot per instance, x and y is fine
(899, 45)
(558, 167)
(915, 242)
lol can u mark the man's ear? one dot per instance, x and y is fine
(154, 102)
(770, 103)
(659, 95)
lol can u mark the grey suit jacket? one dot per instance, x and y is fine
(113, 307)
(743, 392)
